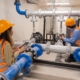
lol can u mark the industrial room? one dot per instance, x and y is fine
(40, 26)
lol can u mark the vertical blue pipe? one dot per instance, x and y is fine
(14, 69)
(18, 9)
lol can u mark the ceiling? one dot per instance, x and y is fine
(73, 3)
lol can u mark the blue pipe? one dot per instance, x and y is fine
(17, 4)
(38, 49)
(24, 61)
(76, 55)
(14, 69)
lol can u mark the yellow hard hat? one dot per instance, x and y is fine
(5, 25)
(70, 22)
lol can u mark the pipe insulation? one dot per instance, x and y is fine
(52, 13)
(52, 48)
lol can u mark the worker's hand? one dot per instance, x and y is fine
(62, 37)
(22, 48)
(16, 49)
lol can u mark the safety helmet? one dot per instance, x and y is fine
(5, 25)
(70, 22)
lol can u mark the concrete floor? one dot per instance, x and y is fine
(44, 72)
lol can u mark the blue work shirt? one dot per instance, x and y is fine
(75, 36)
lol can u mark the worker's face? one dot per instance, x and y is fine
(10, 31)
(69, 28)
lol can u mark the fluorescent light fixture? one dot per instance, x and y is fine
(58, 3)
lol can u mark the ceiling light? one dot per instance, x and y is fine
(58, 3)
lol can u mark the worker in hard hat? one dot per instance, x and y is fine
(74, 39)
(7, 58)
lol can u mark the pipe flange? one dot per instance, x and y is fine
(26, 56)
(76, 55)
(40, 13)
(44, 13)
(68, 48)
(48, 47)
(38, 49)
(27, 13)
(53, 13)
(33, 53)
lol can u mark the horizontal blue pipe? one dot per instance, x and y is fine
(14, 69)
(18, 9)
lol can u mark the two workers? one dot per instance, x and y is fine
(8, 57)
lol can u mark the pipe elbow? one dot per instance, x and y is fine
(18, 9)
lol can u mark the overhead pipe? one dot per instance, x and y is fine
(52, 13)
(17, 4)
(45, 13)
(24, 61)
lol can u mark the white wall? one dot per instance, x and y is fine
(23, 26)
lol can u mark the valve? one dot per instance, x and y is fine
(37, 36)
